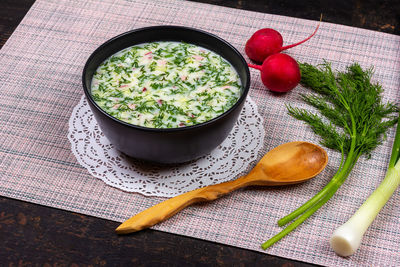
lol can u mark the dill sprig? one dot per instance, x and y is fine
(351, 119)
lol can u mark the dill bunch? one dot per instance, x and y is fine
(351, 119)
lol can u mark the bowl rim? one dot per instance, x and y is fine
(177, 129)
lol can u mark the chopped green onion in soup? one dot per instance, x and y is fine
(165, 85)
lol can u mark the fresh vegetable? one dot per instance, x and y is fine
(266, 42)
(279, 72)
(346, 239)
(352, 120)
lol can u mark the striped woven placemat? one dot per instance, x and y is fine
(40, 83)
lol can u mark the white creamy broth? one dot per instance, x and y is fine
(165, 85)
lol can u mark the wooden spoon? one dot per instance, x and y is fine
(289, 163)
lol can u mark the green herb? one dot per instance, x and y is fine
(156, 85)
(152, 66)
(352, 119)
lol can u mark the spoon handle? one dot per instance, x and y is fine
(170, 207)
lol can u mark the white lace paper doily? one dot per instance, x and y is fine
(228, 161)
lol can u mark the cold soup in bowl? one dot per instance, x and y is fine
(166, 94)
(165, 84)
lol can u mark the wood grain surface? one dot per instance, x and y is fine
(34, 235)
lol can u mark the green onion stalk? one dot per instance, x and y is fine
(351, 119)
(346, 239)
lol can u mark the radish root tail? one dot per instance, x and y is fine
(305, 40)
(257, 67)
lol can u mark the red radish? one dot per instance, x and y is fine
(263, 43)
(279, 72)
(268, 41)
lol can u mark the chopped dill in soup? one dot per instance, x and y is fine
(165, 85)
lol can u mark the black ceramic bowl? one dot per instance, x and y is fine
(173, 145)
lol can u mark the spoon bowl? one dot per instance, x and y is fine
(290, 163)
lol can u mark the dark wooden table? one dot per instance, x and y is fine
(34, 235)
